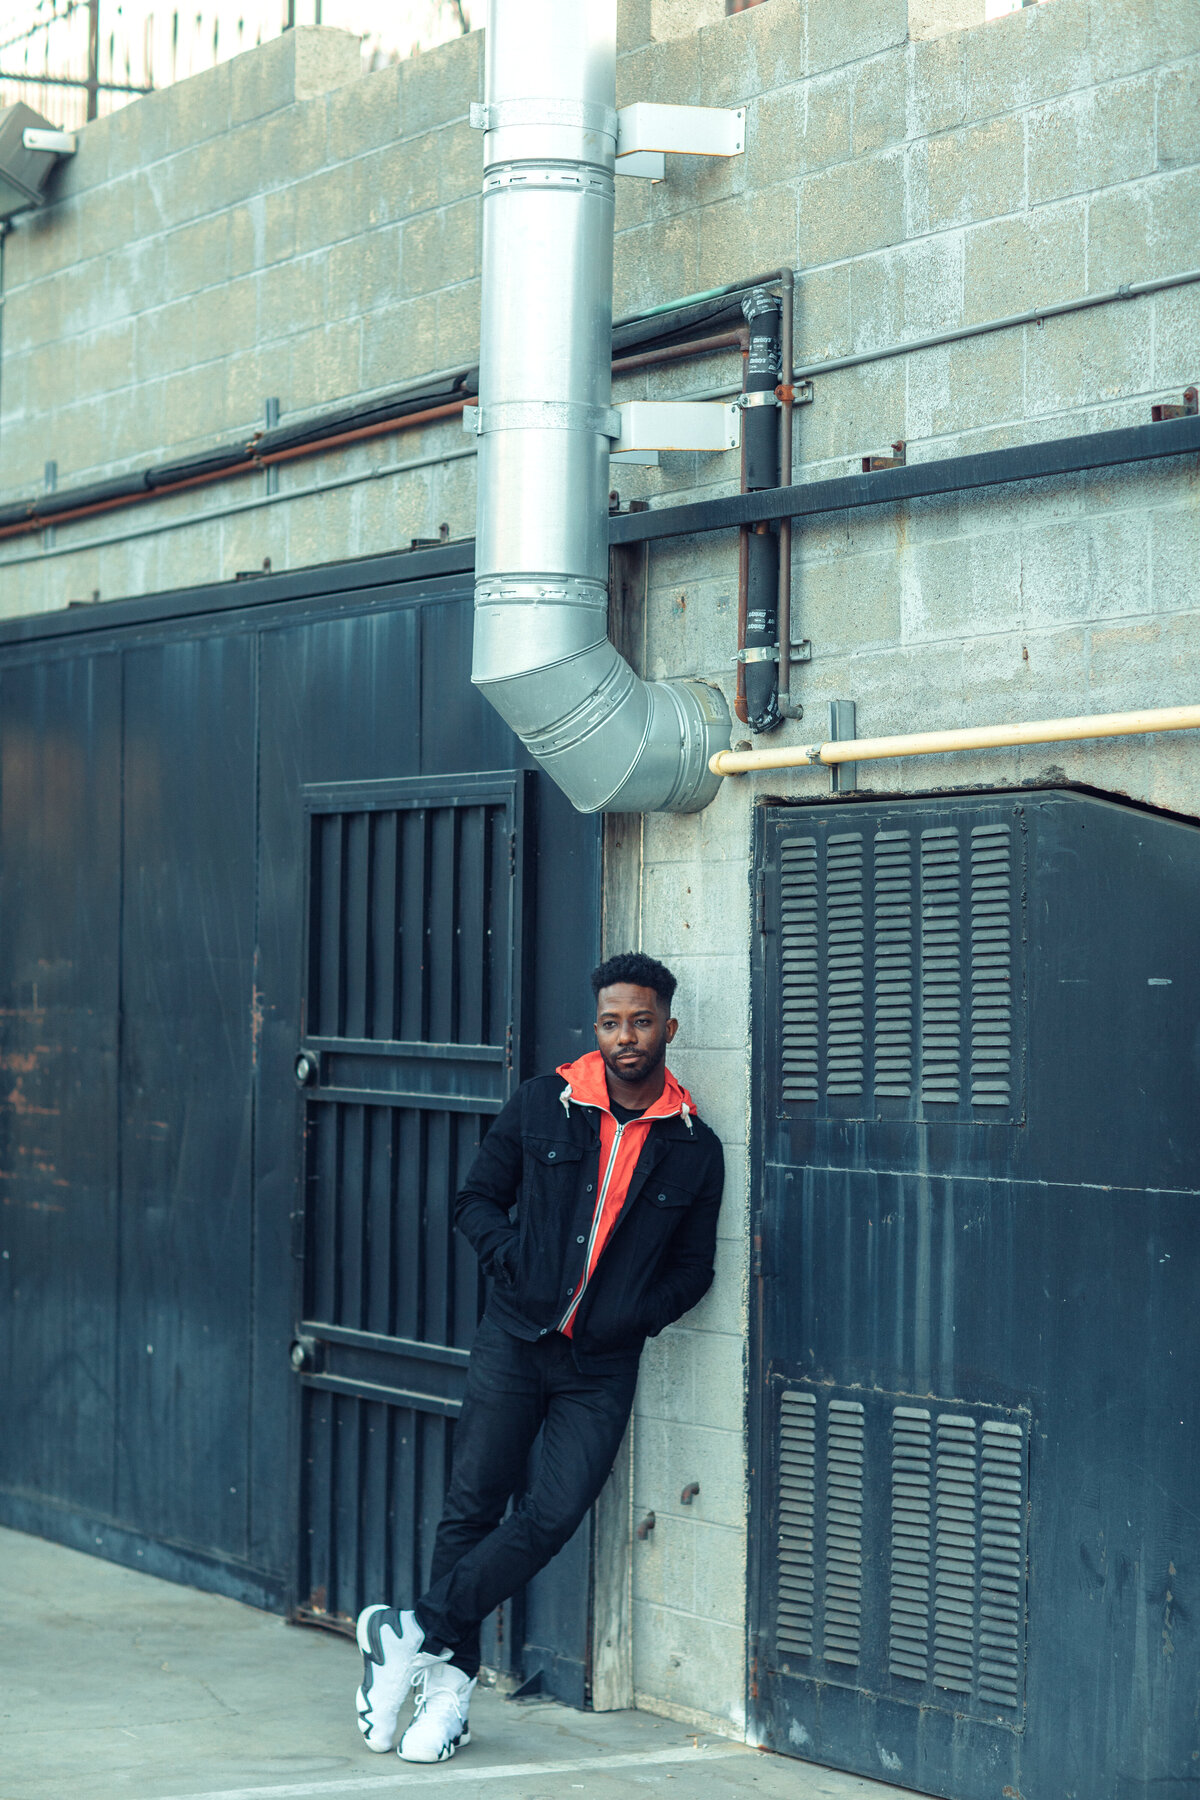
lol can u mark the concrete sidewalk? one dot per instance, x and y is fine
(118, 1686)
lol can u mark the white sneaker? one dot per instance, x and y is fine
(390, 1642)
(439, 1726)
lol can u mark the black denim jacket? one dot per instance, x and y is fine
(543, 1159)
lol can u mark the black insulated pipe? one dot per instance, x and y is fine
(760, 432)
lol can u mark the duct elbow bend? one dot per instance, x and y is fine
(611, 741)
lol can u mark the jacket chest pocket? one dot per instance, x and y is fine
(666, 1195)
(551, 1162)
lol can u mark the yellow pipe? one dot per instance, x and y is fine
(974, 737)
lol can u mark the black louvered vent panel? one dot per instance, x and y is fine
(901, 988)
(797, 1506)
(941, 972)
(1002, 1563)
(991, 965)
(843, 1532)
(912, 1492)
(956, 1516)
(901, 1548)
(893, 965)
(799, 952)
(844, 963)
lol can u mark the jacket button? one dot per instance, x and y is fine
(663, 1198)
(551, 1154)
(570, 1291)
(579, 1240)
(541, 1334)
(589, 1187)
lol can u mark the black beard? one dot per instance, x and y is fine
(646, 1064)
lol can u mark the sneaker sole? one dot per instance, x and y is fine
(444, 1755)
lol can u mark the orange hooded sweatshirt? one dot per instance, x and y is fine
(620, 1147)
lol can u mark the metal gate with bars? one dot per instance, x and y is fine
(412, 1026)
(973, 1417)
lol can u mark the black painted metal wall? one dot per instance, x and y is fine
(167, 768)
(975, 1332)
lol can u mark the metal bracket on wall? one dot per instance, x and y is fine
(646, 131)
(843, 777)
(650, 425)
(896, 460)
(1172, 410)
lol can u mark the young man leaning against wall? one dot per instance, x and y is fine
(616, 1185)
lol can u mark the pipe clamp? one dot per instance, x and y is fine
(758, 653)
(767, 397)
(581, 115)
(547, 415)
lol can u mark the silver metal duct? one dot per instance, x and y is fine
(612, 742)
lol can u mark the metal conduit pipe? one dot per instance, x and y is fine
(612, 742)
(971, 737)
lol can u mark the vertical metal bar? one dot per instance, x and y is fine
(93, 74)
(316, 1505)
(377, 1233)
(270, 420)
(351, 1206)
(381, 992)
(469, 966)
(329, 934)
(787, 281)
(355, 934)
(440, 925)
(843, 777)
(50, 484)
(439, 1228)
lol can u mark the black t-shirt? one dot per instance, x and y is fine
(622, 1114)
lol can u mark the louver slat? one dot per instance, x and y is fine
(893, 965)
(844, 964)
(908, 1636)
(799, 956)
(843, 1541)
(956, 1525)
(797, 1511)
(1001, 1557)
(941, 974)
(991, 965)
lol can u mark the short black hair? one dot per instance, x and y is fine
(636, 970)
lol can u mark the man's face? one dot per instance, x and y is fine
(632, 1030)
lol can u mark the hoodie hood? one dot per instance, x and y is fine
(587, 1086)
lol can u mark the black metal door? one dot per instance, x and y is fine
(412, 1035)
(154, 866)
(974, 1414)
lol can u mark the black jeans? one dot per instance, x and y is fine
(515, 1388)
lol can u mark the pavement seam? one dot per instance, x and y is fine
(382, 1783)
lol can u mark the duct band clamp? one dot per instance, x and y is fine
(580, 115)
(758, 653)
(543, 415)
(767, 397)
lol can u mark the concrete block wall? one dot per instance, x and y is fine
(280, 226)
(919, 184)
(259, 231)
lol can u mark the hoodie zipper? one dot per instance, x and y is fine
(597, 1215)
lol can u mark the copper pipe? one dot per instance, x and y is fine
(643, 359)
(317, 446)
(36, 522)
(382, 427)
